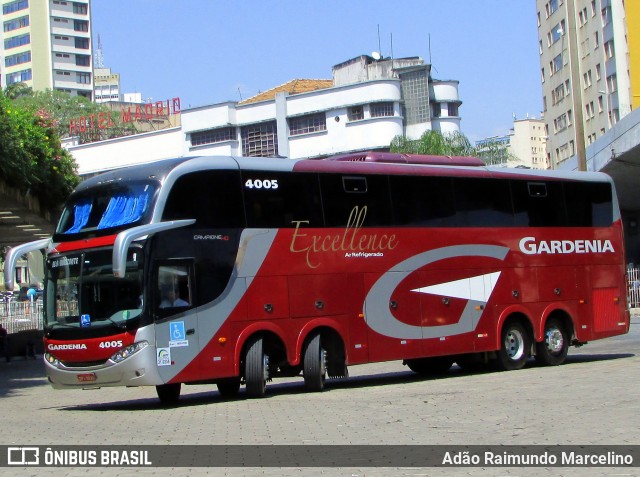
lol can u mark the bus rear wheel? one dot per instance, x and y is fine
(314, 370)
(553, 349)
(515, 347)
(169, 394)
(256, 369)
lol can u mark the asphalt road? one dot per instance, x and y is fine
(593, 399)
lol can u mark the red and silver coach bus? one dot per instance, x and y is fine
(233, 270)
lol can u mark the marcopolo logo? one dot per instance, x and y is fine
(533, 246)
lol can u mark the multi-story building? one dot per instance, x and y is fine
(107, 85)
(367, 103)
(46, 44)
(587, 71)
(364, 106)
(525, 144)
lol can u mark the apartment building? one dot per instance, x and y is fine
(587, 71)
(525, 144)
(46, 44)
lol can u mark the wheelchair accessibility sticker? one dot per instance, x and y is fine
(177, 337)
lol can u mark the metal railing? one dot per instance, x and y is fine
(18, 316)
(633, 276)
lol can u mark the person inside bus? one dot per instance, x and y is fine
(169, 298)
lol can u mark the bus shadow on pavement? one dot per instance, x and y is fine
(210, 396)
(21, 373)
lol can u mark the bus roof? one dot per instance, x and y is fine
(353, 163)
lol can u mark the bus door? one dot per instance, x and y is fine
(176, 320)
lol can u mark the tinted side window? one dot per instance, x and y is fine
(538, 203)
(279, 199)
(422, 201)
(482, 203)
(344, 195)
(213, 198)
(589, 204)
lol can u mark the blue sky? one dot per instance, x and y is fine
(210, 51)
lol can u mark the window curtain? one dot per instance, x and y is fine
(81, 213)
(124, 209)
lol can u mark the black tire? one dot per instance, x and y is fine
(314, 368)
(229, 388)
(515, 347)
(553, 349)
(430, 366)
(256, 369)
(169, 394)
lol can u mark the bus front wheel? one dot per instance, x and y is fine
(256, 369)
(168, 393)
(515, 346)
(553, 349)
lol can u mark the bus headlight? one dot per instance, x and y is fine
(128, 351)
(51, 359)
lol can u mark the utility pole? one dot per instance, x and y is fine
(576, 85)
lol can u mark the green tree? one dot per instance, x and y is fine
(31, 156)
(453, 144)
(60, 106)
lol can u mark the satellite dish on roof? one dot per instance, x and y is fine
(376, 56)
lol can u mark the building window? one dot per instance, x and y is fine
(83, 60)
(15, 6)
(212, 136)
(612, 83)
(20, 58)
(556, 64)
(260, 140)
(82, 43)
(79, 8)
(16, 41)
(557, 31)
(586, 78)
(307, 124)
(606, 16)
(381, 109)
(355, 113)
(609, 51)
(83, 78)
(16, 23)
(18, 76)
(415, 93)
(80, 25)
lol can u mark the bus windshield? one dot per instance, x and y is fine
(106, 208)
(82, 292)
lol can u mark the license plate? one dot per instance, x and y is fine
(87, 377)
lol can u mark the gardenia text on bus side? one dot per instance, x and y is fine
(531, 246)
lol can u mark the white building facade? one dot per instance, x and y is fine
(366, 104)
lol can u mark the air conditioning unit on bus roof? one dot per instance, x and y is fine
(398, 158)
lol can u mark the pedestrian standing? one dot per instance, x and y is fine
(4, 343)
